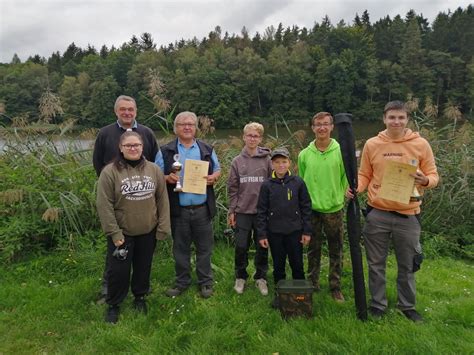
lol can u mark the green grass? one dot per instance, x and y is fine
(47, 305)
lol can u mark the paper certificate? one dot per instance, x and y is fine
(397, 184)
(195, 173)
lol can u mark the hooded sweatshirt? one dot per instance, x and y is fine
(247, 173)
(324, 176)
(378, 150)
(133, 201)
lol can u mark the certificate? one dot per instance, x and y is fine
(195, 176)
(397, 184)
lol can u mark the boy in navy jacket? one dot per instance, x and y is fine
(284, 218)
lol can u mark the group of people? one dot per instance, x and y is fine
(138, 203)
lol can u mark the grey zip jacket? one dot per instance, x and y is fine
(246, 176)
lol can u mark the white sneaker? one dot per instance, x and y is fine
(262, 286)
(239, 286)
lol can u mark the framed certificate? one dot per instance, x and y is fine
(397, 184)
(195, 176)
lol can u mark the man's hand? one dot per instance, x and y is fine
(263, 243)
(305, 239)
(171, 179)
(231, 219)
(212, 179)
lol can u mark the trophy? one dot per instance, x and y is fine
(415, 195)
(176, 168)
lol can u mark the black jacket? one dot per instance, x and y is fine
(284, 207)
(168, 151)
(106, 144)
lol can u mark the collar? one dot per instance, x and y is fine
(183, 146)
(276, 177)
(134, 125)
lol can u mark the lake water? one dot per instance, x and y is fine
(362, 131)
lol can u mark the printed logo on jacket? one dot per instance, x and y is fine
(137, 187)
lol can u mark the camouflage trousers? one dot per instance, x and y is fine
(326, 226)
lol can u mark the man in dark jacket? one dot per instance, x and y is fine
(106, 147)
(191, 213)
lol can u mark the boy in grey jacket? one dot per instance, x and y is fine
(248, 171)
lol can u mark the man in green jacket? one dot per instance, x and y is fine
(322, 169)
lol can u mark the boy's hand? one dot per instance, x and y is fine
(349, 194)
(231, 219)
(305, 239)
(263, 243)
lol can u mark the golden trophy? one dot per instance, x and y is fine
(176, 168)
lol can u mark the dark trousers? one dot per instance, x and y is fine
(139, 258)
(193, 226)
(246, 226)
(282, 245)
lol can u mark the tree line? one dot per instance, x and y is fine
(284, 73)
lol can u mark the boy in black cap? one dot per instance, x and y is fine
(284, 218)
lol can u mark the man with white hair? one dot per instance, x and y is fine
(191, 214)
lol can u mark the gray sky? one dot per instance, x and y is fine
(29, 27)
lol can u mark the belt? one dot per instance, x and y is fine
(193, 207)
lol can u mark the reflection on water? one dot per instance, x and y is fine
(362, 131)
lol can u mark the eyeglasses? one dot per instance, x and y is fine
(186, 124)
(325, 124)
(132, 146)
(251, 136)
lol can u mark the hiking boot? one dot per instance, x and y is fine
(139, 304)
(112, 314)
(337, 296)
(376, 313)
(175, 291)
(206, 291)
(239, 286)
(262, 286)
(275, 303)
(413, 315)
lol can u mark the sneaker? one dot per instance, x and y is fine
(337, 296)
(112, 314)
(239, 286)
(413, 315)
(139, 304)
(175, 291)
(275, 303)
(376, 313)
(262, 286)
(206, 291)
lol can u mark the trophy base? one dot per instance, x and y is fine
(178, 189)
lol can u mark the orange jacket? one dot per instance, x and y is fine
(381, 148)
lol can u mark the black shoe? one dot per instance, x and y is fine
(376, 313)
(112, 314)
(206, 291)
(275, 303)
(175, 291)
(413, 315)
(139, 304)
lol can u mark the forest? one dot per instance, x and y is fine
(284, 73)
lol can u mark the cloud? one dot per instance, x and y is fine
(29, 27)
